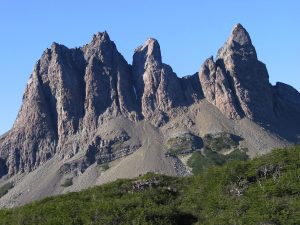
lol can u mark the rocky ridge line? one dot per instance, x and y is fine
(72, 92)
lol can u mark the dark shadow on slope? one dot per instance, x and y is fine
(3, 167)
(185, 219)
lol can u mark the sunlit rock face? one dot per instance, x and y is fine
(237, 82)
(158, 88)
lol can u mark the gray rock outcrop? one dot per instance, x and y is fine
(238, 83)
(157, 86)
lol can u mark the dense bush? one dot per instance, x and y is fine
(265, 190)
(220, 141)
(105, 166)
(183, 144)
(67, 182)
(200, 161)
(5, 188)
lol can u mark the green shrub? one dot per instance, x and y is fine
(105, 166)
(185, 143)
(200, 161)
(220, 141)
(67, 182)
(238, 154)
(5, 188)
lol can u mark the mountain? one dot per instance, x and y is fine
(86, 109)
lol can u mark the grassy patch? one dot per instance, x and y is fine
(183, 144)
(5, 188)
(67, 182)
(214, 152)
(200, 161)
(103, 167)
(238, 154)
(220, 141)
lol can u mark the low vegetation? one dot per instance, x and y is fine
(220, 141)
(5, 188)
(265, 190)
(201, 160)
(183, 144)
(67, 182)
(103, 167)
(217, 150)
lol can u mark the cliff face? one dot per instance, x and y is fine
(218, 90)
(108, 80)
(238, 83)
(157, 86)
(72, 91)
(67, 92)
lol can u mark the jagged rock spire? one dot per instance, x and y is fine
(240, 35)
(109, 84)
(244, 81)
(217, 89)
(158, 88)
(239, 42)
(151, 50)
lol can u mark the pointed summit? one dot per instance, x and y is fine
(100, 47)
(101, 36)
(238, 43)
(157, 86)
(240, 35)
(150, 50)
(242, 75)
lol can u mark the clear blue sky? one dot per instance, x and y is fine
(188, 32)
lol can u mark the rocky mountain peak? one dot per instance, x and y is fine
(109, 85)
(238, 43)
(54, 46)
(158, 88)
(242, 79)
(99, 38)
(56, 50)
(149, 51)
(240, 35)
(101, 47)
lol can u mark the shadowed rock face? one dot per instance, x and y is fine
(238, 83)
(286, 102)
(192, 88)
(72, 91)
